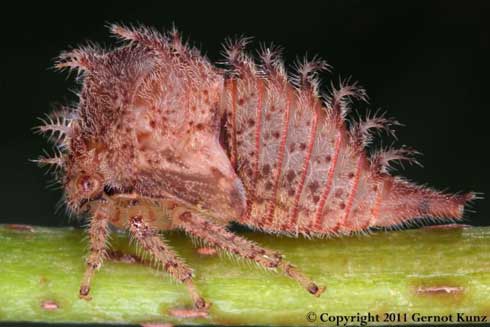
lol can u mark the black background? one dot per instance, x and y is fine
(425, 63)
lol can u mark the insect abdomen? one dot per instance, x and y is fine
(291, 159)
(306, 172)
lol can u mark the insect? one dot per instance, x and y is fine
(161, 139)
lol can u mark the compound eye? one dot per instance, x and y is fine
(88, 185)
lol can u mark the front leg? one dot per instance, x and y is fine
(149, 239)
(97, 232)
(218, 236)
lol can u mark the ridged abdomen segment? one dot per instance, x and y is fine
(260, 116)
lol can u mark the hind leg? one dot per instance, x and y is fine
(149, 239)
(218, 236)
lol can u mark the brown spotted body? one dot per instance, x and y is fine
(162, 139)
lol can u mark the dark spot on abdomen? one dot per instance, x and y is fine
(313, 186)
(338, 193)
(266, 169)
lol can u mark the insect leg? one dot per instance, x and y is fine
(149, 239)
(98, 233)
(219, 237)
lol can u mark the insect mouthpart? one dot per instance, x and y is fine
(84, 204)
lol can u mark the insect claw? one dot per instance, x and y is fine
(84, 293)
(315, 290)
(201, 304)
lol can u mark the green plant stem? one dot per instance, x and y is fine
(425, 271)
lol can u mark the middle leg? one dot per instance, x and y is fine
(149, 239)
